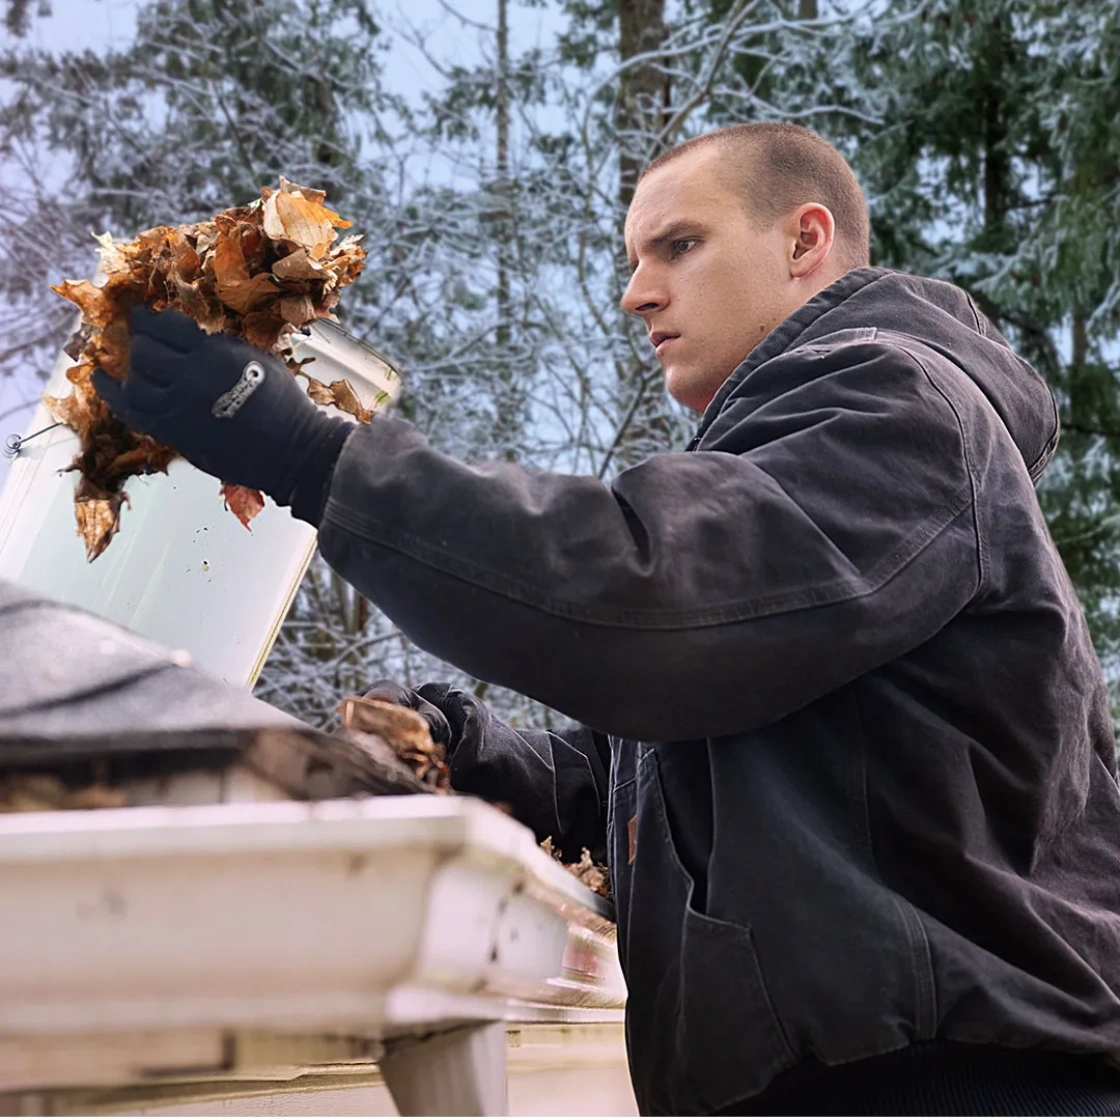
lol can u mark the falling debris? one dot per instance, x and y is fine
(259, 272)
(243, 502)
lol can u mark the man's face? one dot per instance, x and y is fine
(706, 282)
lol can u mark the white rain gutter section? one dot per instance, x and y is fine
(181, 560)
(150, 942)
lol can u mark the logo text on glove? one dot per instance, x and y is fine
(228, 403)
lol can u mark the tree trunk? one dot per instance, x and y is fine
(501, 187)
(508, 404)
(642, 111)
(1082, 395)
(997, 158)
(644, 90)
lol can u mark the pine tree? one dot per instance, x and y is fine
(998, 169)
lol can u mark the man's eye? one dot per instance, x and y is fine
(682, 245)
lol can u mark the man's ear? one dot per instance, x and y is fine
(812, 231)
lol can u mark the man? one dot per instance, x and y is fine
(862, 814)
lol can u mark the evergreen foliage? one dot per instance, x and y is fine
(492, 198)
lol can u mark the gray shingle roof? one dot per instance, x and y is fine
(75, 689)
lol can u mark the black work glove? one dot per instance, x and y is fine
(458, 721)
(393, 693)
(554, 783)
(228, 408)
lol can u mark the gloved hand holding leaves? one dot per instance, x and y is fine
(536, 777)
(393, 693)
(230, 409)
(416, 731)
(256, 273)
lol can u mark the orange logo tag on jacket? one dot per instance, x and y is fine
(632, 836)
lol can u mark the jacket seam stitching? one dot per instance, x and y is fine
(915, 933)
(826, 594)
(975, 314)
(864, 800)
(733, 382)
(923, 967)
(982, 565)
(1035, 468)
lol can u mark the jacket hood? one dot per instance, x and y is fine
(941, 316)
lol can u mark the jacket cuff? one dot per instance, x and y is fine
(309, 498)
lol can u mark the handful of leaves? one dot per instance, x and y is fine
(259, 272)
(408, 734)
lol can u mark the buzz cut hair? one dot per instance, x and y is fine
(778, 167)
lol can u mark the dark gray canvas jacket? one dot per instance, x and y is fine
(862, 778)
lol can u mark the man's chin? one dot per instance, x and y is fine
(689, 388)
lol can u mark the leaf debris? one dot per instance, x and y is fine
(258, 272)
(38, 793)
(592, 875)
(405, 731)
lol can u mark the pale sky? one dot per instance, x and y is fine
(80, 24)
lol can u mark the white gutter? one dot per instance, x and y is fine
(152, 942)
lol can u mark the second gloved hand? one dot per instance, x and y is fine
(393, 693)
(231, 410)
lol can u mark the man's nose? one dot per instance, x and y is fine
(643, 295)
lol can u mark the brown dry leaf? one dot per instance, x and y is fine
(258, 272)
(98, 521)
(89, 299)
(297, 266)
(37, 793)
(188, 264)
(109, 350)
(289, 215)
(309, 193)
(340, 394)
(236, 289)
(244, 502)
(316, 390)
(112, 258)
(68, 411)
(193, 299)
(297, 310)
(592, 875)
(76, 343)
(346, 399)
(263, 329)
(405, 731)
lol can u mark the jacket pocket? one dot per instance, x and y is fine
(701, 1031)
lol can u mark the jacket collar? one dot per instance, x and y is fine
(788, 334)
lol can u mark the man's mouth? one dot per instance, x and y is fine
(661, 339)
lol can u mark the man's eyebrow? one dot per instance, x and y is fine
(675, 230)
(679, 228)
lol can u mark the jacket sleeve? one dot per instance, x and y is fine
(553, 781)
(826, 529)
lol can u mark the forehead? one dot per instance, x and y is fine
(694, 186)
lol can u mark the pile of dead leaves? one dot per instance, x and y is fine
(259, 272)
